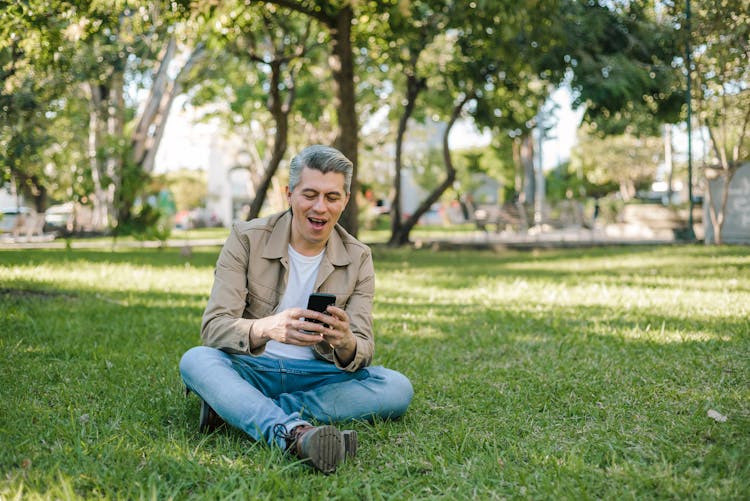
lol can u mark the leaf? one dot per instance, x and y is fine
(716, 416)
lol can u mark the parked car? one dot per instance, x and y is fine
(9, 217)
(60, 218)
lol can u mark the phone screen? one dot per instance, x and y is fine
(319, 301)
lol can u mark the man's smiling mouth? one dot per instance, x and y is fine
(317, 223)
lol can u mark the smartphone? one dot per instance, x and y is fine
(319, 301)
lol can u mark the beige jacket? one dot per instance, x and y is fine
(251, 276)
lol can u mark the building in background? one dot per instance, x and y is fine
(736, 229)
(192, 142)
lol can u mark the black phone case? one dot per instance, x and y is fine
(319, 301)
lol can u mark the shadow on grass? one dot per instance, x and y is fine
(169, 257)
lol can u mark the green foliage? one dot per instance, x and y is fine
(34, 77)
(147, 223)
(546, 375)
(720, 43)
(625, 61)
(491, 161)
(622, 56)
(626, 161)
(561, 184)
(569, 181)
(189, 188)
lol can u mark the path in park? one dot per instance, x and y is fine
(555, 238)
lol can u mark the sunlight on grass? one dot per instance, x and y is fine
(111, 277)
(662, 335)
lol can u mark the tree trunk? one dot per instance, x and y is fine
(100, 216)
(402, 237)
(414, 86)
(518, 173)
(140, 140)
(668, 161)
(527, 166)
(342, 66)
(33, 187)
(728, 168)
(280, 112)
(115, 132)
(152, 122)
(718, 216)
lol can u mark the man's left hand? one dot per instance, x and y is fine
(338, 334)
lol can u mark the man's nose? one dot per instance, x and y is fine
(319, 204)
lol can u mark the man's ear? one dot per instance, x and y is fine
(288, 195)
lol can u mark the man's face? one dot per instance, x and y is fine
(317, 203)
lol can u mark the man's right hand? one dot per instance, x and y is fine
(284, 327)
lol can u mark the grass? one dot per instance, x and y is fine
(541, 375)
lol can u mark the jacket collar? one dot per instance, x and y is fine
(278, 243)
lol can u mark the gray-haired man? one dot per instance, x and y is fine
(264, 367)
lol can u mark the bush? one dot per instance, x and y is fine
(148, 223)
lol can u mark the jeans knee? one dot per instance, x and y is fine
(398, 391)
(405, 391)
(196, 358)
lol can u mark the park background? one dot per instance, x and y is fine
(136, 118)
(616, 368)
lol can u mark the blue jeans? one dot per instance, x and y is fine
(256, 393)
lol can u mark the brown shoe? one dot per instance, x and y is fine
(350, 443)
(320, 446)
(209, 420)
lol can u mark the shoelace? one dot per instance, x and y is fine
(280, 431)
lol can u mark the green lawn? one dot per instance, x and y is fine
(576, 374)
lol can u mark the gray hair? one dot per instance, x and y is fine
(324, 159)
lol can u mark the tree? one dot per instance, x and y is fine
(490, 74)
(35, 74)
(65, 53)
(414, 30)
(719, 42)
(135, 45)
(625, 160)
(622, 68)
(259, 56)
(337, 17)
(188, 187)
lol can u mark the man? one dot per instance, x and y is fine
(264, 366)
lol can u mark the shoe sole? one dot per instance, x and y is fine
(325, 448)
(350, 443)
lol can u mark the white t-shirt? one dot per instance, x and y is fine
(303, 270)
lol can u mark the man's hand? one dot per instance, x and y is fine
(286, 327)
(338, 334)
(289, 327)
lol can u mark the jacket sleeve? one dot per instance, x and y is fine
(223, 326)
(359, 308)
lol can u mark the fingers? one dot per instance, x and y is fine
(337, 312)
(339, 335)
(302, 338)
(300, 330)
